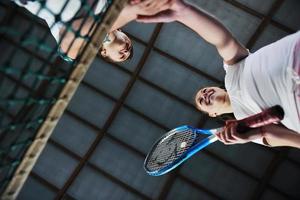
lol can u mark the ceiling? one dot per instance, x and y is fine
(98, 148)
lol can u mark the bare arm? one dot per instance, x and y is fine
(272, 135)
(207, 26)
(276, 135)
(213, 31)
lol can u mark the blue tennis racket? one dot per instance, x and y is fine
(179, 144)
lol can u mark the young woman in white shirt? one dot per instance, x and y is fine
(253, 81)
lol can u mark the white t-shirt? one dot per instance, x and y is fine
(54, 7)
(266, 78)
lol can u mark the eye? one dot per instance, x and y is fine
(122, 57)
(204, 90)
(200, 100)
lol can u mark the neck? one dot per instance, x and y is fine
(227, 106)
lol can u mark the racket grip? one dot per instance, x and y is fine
(268, 116)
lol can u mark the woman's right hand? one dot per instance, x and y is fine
(229, 134)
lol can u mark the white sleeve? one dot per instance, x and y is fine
(101, 6)
(258, 141)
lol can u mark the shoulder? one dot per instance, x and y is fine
(240, 54)
(229, 67)
(238, 59)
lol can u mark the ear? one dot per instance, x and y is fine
(103, 52)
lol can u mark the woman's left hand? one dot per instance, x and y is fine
(150, 7)
(229, 134)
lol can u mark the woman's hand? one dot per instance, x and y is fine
(272, 135)
(137, 8)
(148, 7)
(169, 12)
(229, 134)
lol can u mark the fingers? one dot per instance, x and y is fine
(146, 4)
(164, 16)
(151, 7)
(225, 136)
(133, 2)
(221, 138)
(163, 7)
(229, 135)
(149, 3)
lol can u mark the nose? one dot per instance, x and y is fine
(204, 92)
(126, 53)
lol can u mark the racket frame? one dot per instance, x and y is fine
(190, 152)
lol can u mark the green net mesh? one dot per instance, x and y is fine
(34, 68)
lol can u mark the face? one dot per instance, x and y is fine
(117, 47)
(213, 100)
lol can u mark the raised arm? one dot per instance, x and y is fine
(207, 26)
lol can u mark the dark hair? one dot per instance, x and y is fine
(225, 117)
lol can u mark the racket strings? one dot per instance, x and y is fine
(170, 148)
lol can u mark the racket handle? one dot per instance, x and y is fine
(268, 116)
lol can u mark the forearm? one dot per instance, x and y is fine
(211, 30)
(127, 15)
(207, 26)
(276, 135)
